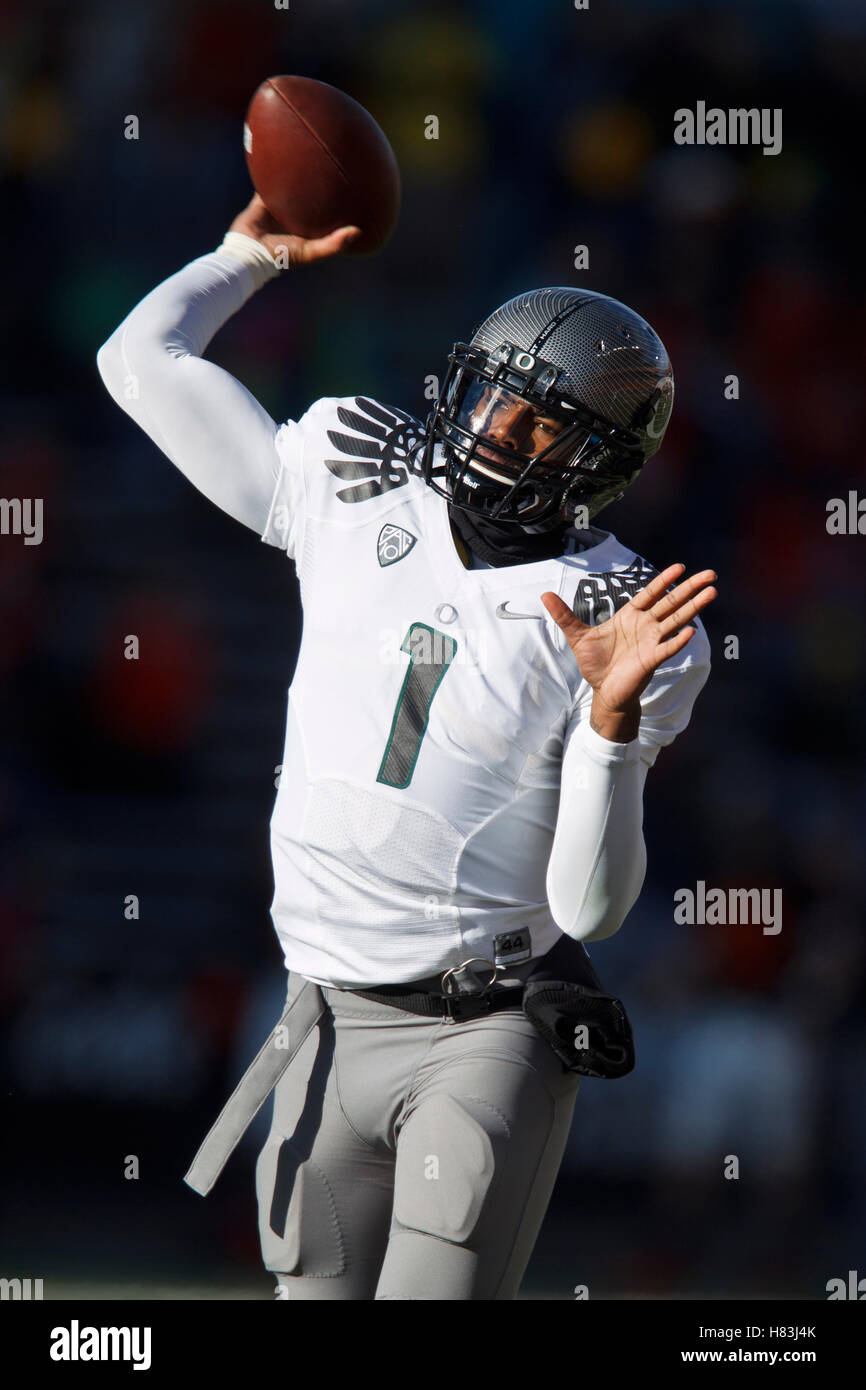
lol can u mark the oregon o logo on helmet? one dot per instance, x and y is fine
(525, 361)
(663, 394)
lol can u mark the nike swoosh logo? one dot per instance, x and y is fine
(502, 612)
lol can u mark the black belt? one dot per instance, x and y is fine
(454, 998)
(456, 1006)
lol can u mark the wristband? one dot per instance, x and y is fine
(252, 254)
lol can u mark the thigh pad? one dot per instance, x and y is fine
(446, 1166)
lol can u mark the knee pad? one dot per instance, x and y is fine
(298, 1225)
(446, 1166)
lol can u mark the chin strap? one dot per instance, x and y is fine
(507, 545)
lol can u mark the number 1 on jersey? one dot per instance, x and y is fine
(430, 654)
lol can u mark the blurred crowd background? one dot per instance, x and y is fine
(121, 1033)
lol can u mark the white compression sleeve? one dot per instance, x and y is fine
(598, 860)
(205, 421)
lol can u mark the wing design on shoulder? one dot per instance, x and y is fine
(598, 596)
(380, 455)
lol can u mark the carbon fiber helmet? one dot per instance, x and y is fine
(557, 402)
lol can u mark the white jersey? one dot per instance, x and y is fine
(428, 713)
(442, 793)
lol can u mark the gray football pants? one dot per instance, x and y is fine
(410, 1157)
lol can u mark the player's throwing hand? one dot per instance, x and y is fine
(257, 222)
(618, 657)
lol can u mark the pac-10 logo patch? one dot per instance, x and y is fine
(393, 544)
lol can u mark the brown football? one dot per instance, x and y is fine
(319, 161)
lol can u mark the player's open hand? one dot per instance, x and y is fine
(618, 657)
(256, 221)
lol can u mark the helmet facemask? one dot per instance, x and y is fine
(552, 455)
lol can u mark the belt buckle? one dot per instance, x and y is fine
(458, 1008)
(481, 1000)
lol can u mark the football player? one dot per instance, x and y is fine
(484, 680)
